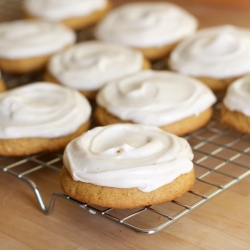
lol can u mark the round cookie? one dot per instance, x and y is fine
(76, 14)
(27, 45)
(236, 109)
(216, 56)
(153, 28)
(88, 66)
(41, 117)
(127, 166)
(175, 103)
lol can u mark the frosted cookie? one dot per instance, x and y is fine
(88, 66)
(236, 105)
(154, 28)
(216, 56)
(76, 14)
(41, 117)
(26, 46)
(2, 85)
(175, 103)
(127, 166)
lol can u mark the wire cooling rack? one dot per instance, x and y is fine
(222, 158)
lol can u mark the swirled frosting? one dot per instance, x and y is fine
(218, 52)
(31, 38)
(55, 10)
(87, 66)
(238, 96)
(127, 156)
(41, 110)
(146, 24)
(155, 97)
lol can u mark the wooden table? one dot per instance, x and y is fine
(222, 223)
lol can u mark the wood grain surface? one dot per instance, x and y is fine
(223, 223)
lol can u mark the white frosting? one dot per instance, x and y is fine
(155, 97)
(237, 97)
(41, 110)
(218, 52)
(128, 156)
(30, 38)
(88, 65)
(55, 10)
(146, 24)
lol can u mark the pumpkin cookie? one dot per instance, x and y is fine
(41, 117)
(153, 28)
(76, 14)
(217, 56)
(26, 46)
(236, 105)
(88, 66)
(175, 103)
(127, 166)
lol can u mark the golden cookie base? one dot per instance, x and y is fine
(235, 119)
(25, 65)
(216, 84)
(28, 146)
(123, 198)
(179, 128)
(157, 53)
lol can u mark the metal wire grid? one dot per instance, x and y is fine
(10, 10)
(222, 158)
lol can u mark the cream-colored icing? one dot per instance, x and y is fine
(31, 38)
(217, 52)
(146, 24)
(128, 156)
(55, 10)
(41, 110)
(155, 97)
(88, 65)
(237, 97)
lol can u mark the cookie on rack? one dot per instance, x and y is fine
(89, 65)
(41, 117)
(153, 28)
(76, 14)
(173, 102)
(2, 85)
(236, 105)
(27, 45)
(217, 56)
(127, 166)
